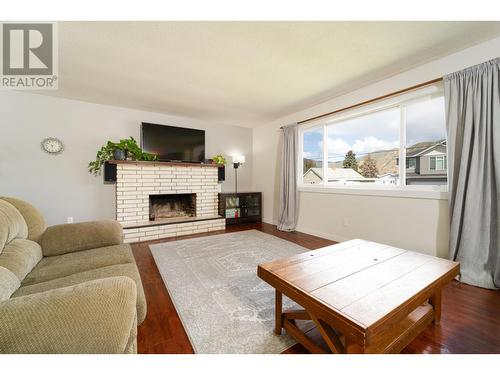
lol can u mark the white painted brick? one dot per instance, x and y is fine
(125, 172)
(147, 172)
(131, 200)
(150, 168)
(126, 188)
(131, 209)
(127, 205)
(127, 215)
(130, 230)
(146, 190)
(200, 230)
(129, 193)
(168, 230)
(149, 238)
(128, 166)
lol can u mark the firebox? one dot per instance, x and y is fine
(164, 206)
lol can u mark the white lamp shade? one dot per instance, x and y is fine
(238, 159)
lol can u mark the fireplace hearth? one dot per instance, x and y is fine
(166, 206)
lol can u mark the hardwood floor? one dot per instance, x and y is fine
(470, 322)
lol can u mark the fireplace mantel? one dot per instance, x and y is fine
(164, 163)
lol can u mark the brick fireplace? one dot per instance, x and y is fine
(158, 200)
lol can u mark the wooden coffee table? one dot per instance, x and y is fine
(363, 297)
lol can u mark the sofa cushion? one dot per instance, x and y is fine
(129, 270)
(12, 224)
(68, 238)
(20, 257)
(9, 283)
(33, 218)
(97, 316)
(54, 267)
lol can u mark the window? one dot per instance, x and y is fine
(438, 163)
(411, 163)
(426, 142)
(363, 148)
(312, 159)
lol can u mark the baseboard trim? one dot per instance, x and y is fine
(328, 236)
(269, 221)
(312, 232)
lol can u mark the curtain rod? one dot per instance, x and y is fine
(372, 100)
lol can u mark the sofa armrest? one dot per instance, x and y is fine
(68, 238)
(98, 316)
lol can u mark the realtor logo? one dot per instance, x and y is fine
(29, 56)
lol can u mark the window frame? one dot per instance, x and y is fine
(442, 159)
(400, 189)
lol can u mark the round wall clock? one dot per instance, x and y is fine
(52, 146)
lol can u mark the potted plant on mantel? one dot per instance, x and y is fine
(219, 160)
(125, 149)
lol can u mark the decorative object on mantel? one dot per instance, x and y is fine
(221, 162)
(124, 149)
(237, 161)
(52, 146)
(219, 159)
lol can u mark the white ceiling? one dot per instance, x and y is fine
(244, 73)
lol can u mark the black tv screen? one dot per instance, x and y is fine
(171, 143)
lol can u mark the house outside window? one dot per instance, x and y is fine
(438, 163)
(411, 163)
(362, 148)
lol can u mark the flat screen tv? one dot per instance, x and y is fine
(172, 143)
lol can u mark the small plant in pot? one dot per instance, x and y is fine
(219, 159)
(124, 149)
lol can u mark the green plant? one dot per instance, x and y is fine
(219, 159)
(130, 147)
(350, 161)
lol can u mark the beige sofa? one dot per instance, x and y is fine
(71, 288)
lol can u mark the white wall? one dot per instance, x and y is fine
(60, 185)
(415, 224)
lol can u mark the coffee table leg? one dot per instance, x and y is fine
(435, 301)
(353, 347)
(278, 312)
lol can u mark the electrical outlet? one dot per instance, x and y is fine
(69, 219)
(345, 222)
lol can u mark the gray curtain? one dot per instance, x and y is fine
(473, 125)
(289, 196)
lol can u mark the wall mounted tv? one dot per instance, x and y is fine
(172, 143)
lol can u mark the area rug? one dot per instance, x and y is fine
(223, 305)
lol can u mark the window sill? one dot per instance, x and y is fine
(387, 192)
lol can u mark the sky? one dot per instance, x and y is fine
(378, 131)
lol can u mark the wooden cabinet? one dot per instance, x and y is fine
(240, 207)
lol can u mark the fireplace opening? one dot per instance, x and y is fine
(165, 206)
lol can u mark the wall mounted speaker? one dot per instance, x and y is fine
(222, 173)
(109, 173)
